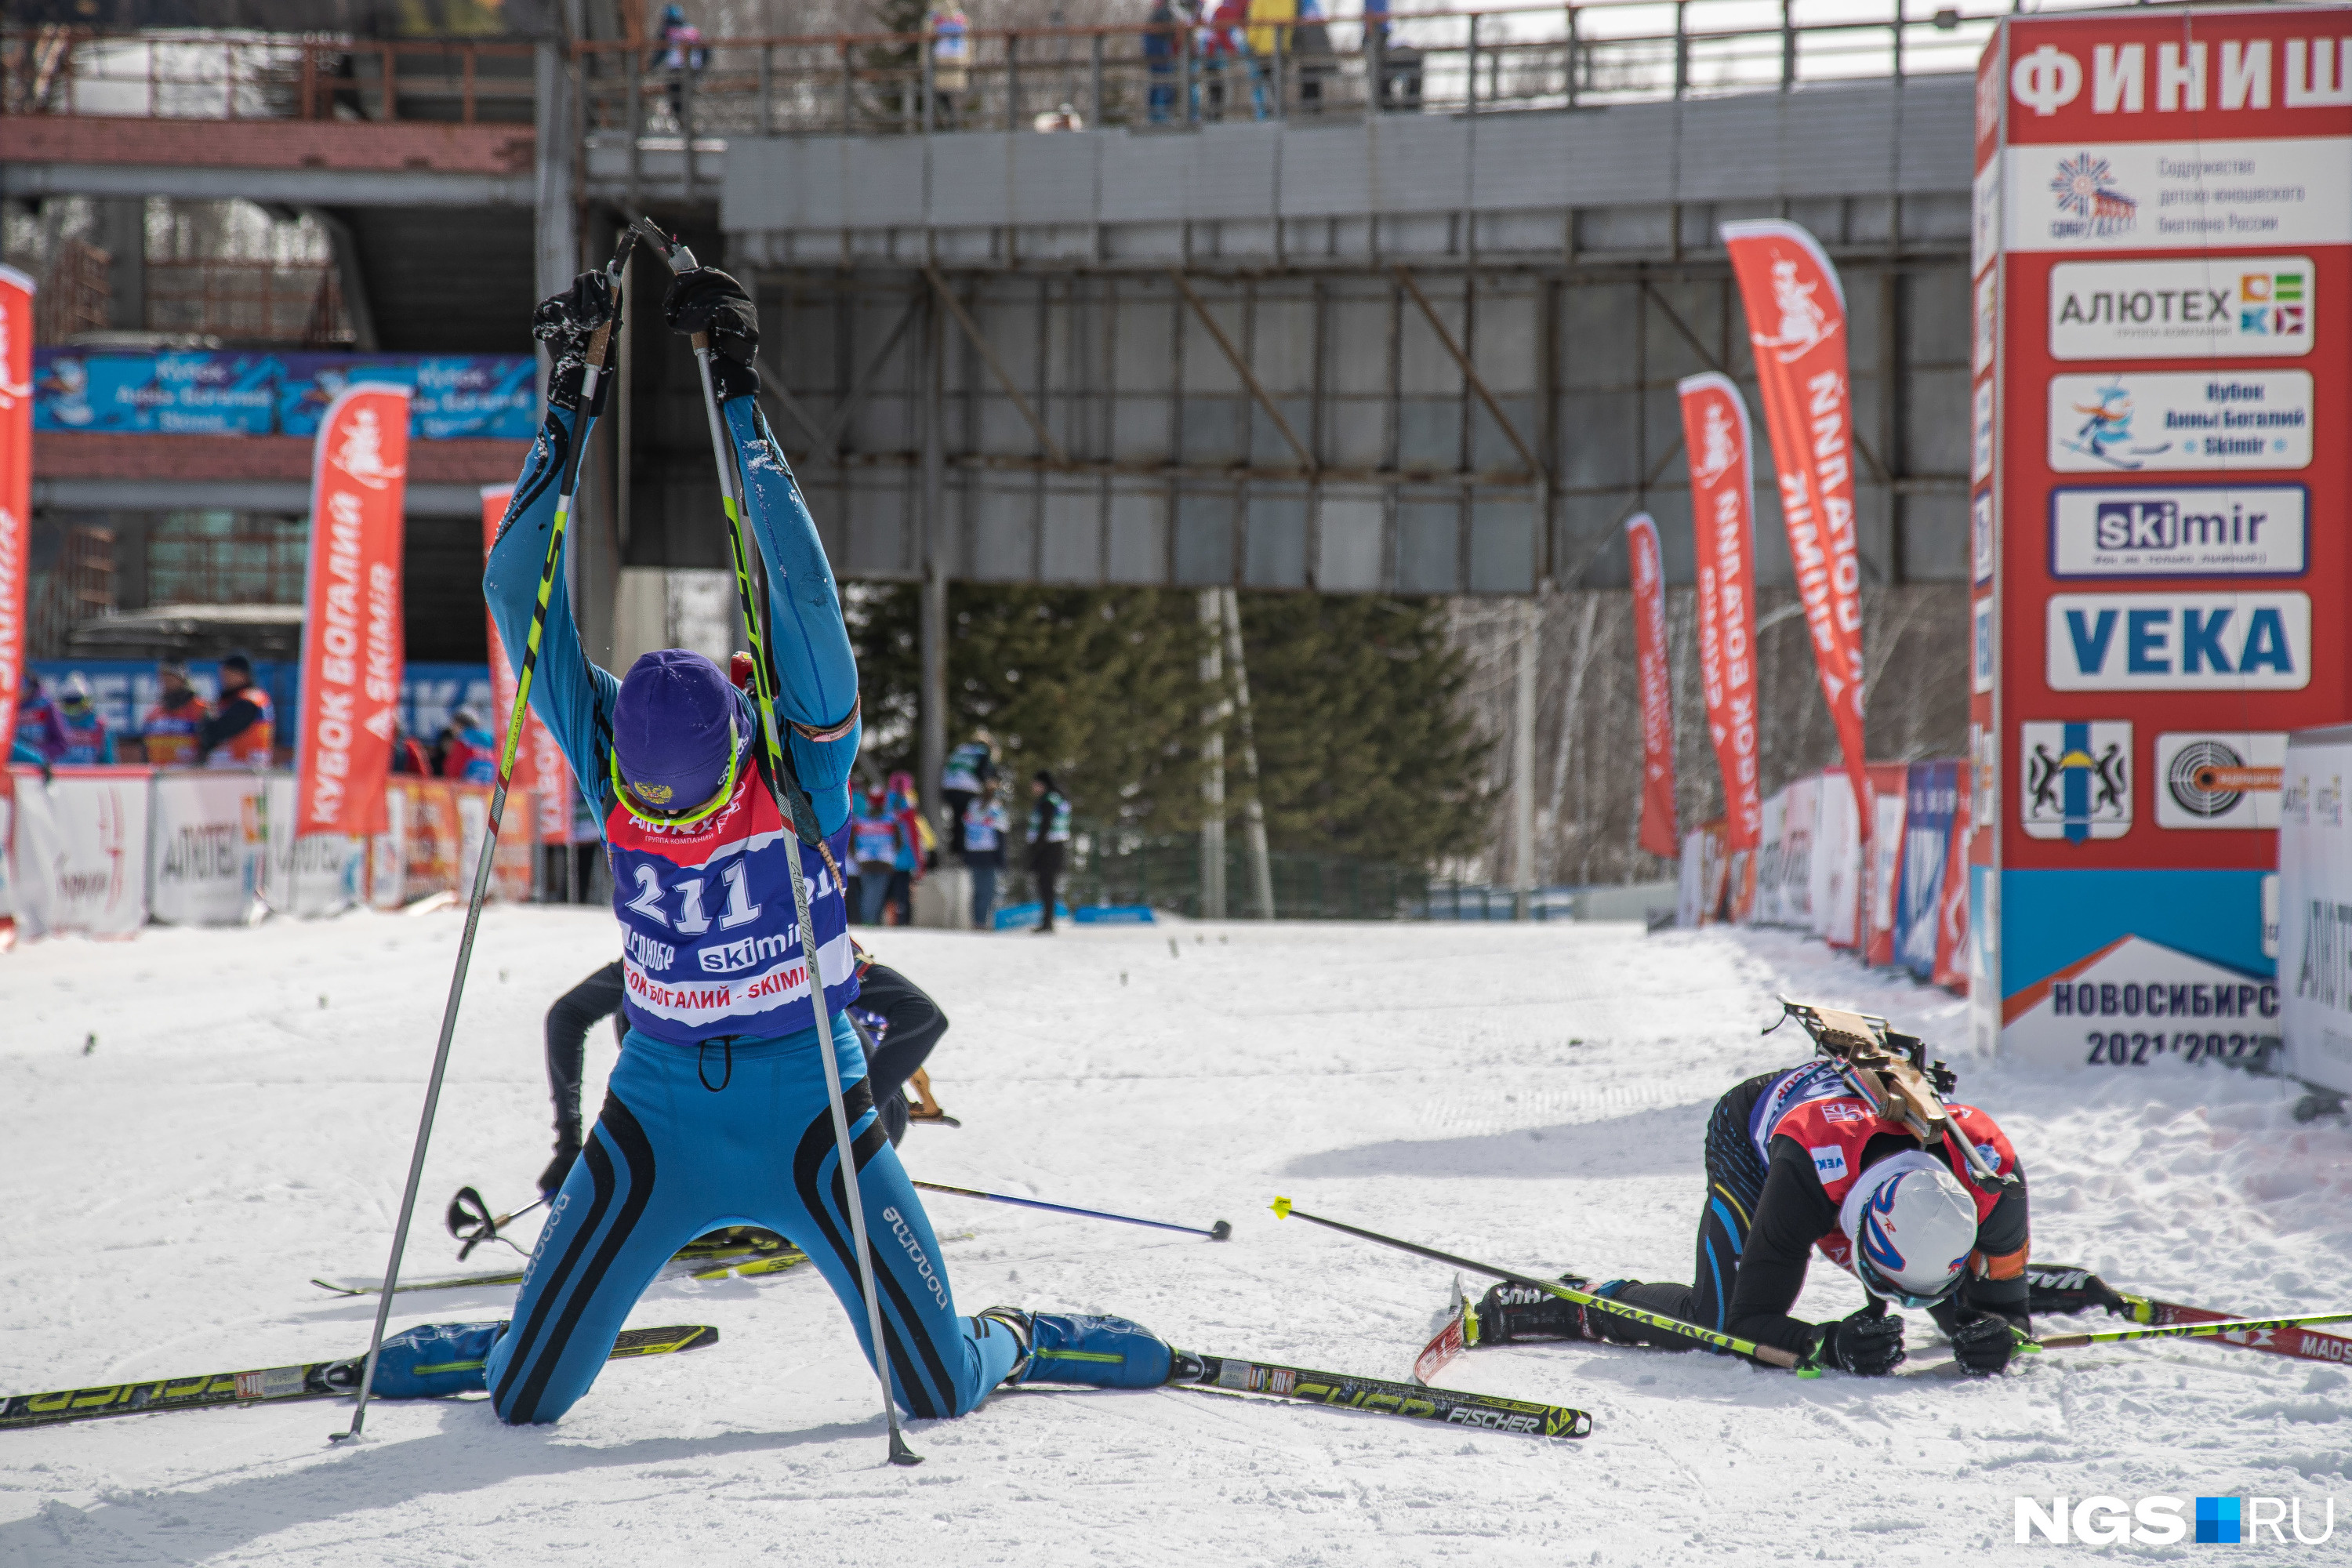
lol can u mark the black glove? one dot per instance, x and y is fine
(2054, 1289)
(567, 324)
(567, 1149)
(1983, 1345)
(1869, 1344)
(704, 300)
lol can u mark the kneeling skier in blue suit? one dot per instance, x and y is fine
(717, 1111)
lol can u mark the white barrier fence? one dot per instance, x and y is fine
(102, 851)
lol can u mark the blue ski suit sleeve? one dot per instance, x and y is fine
(571, 697)
(808, 640)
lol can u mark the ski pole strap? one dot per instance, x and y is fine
(1771, 1355)
(2189, 1331)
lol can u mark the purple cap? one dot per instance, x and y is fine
(676, 724)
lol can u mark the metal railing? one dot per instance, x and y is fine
(1450, 62)
(243, 75)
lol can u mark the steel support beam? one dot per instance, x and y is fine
(1004, 377)
(1234, 357)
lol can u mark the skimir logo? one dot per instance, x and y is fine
(2088, 194)
(2168, 1521)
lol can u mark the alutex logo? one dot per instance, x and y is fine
(2167, 1521)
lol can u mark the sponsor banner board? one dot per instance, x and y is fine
(205, 859)
(2164, 243)
(2132, 421)
(2181, 531)
(2315, 885)
(2203, 307)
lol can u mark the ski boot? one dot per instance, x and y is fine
(1510, 1314)
(921, 1105)
(1102, 1352)
(436, 1359)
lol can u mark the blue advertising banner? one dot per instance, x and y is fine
(180, 394)
(1931, 791)
(453, 397)
(123, 690)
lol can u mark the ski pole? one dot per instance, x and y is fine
(1771, 1355)
(599, 352)
(2185, 1330)
(681, 259)
(471, 1222)
(1217, 1231)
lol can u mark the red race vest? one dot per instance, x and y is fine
(171, 734)
(1835, 1132)
(250, 748)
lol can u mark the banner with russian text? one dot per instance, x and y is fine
(1658, 835)
(541, 776)
(1718, 441)
(1797, 327)
(352, 639)
(16, 490)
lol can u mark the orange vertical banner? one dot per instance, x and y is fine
(352, 639)
(15, 493)
(1797, 327)
(1719, 443)
(1658, 831)
(541, 773)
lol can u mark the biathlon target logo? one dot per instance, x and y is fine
(2230, 780)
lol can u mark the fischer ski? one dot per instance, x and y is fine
(1247, 1379)
(1457, 1335)
(272, 1385)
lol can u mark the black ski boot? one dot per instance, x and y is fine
(1509, 1314)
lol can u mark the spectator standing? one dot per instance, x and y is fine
(971, 768)
(918, 849)
(1271, 36)
(1312, 45)
(950, 63)
(36, 721)
(86, 739)
(874, 835)
(408, 755)
(238, 734)
(1221, 44)
(1049, 844)
(471, 755)
(1164, 37)
(680, 54)
(170, 729)
(982, 830)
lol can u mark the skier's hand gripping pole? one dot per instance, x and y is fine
(1770, 1355)
(588, 360)
(711, 309)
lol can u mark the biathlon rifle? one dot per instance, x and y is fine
(1891, 1072)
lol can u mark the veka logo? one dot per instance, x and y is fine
(2185, 642)
(2160, 1521)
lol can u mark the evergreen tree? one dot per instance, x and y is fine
(1364, 745)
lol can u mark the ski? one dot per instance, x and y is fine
(273, 1384)
(1245, 1379)
(2059, 1288)
(1458, 1334)
(762, 1253)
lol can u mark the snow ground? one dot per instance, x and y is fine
(1533, 1095)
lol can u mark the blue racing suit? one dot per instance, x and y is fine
(717, 1112)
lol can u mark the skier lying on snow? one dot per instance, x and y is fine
(896, 1021)
(717, 1111)
(1795, 1159)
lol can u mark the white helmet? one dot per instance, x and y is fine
(1912, 1226)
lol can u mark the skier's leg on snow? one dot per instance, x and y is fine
(639, 1190)
(941, 1364)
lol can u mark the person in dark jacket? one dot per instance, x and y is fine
(238, 734)
(896, 1019)
(1049, 844)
